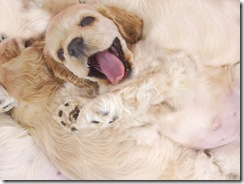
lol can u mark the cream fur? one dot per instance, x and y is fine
(198, 94)
(20, 158)
(108, 150)
(170, 163)
(207, 28)
(23, 18)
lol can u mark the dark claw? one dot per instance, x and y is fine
(73, 129)
(60, 113)
(114, 119)
(5, 107)
(105, 113)
(76, 114)
(63, 123)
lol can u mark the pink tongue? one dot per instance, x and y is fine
(111, 66)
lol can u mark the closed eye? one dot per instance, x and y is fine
(86, 21)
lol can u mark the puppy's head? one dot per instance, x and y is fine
(93, 42)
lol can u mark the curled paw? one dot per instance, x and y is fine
(7, 102)
(103, 118)
(98, 113)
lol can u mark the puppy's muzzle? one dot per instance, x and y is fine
(76, 47)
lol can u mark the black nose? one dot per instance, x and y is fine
(76, 47)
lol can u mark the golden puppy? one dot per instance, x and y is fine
(95, 149)
(107, 59)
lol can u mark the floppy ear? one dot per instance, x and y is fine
(129, 25)
(61, 72)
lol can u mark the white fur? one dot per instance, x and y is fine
(196, 165)
(207, 28)
(20, 157)
(16, 20)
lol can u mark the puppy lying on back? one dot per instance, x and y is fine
(197, 96)
(95, 151)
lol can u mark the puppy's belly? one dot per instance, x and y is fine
(226, 125)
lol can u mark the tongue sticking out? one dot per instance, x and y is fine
(111, 66)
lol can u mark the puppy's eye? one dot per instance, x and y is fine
(61, 54)
(86, 21)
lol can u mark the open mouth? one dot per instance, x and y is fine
(109, 64)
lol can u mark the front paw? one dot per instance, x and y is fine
(73, 116)
(100, 112)
(92, 114)
(66, 115)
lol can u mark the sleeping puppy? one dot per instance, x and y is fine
(209, 29)
(94, 150)
(203, 98)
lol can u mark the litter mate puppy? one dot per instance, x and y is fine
(95, 151)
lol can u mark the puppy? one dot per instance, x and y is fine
(95, 151)
(198, 97)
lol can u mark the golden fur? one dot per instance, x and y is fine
(94, 146)
(202, 94)
(130, 31)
